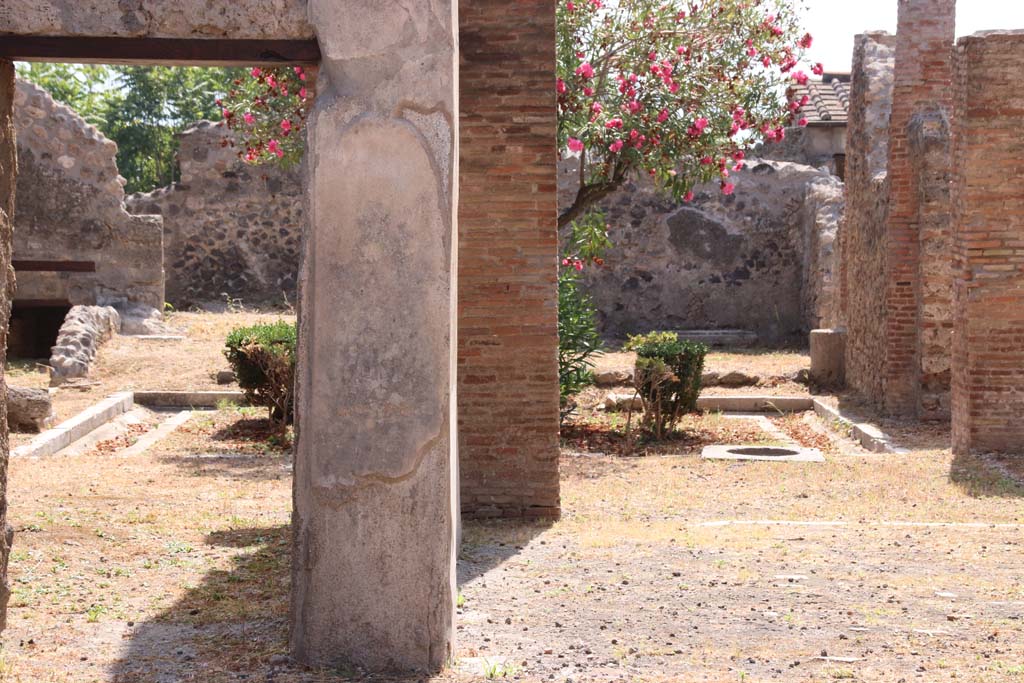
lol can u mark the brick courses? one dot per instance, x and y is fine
(923, 75)
(988, 245)
(508, 339)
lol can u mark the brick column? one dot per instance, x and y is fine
(508, 248)
(925, 32)
(988, 243)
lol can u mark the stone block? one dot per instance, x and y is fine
(28, 410)
(828, 358)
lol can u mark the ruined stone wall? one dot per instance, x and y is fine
(230, 229)
(822, 214)
(8, 168)
(988, 245)
(720, 262)
(862, 238)
(70, 207)
(508, 334)
(923, 78)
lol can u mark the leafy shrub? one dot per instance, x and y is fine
(263, 358)
(578, 339)
(668, 378)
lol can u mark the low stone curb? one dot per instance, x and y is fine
(755, 404)
(69, 431)
(869, 436)
(187, 399)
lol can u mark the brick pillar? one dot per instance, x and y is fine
(8, 171)
(925, 32)
(988, 244)
(507, 346)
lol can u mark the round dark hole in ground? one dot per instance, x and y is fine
(764, 450)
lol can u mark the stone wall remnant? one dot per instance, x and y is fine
(373, 572)
(744, 261)
(862, 236)
(8, 171)
(508, 247)
(988, 244)
(231, 229)
(70, 207)
(85, 328)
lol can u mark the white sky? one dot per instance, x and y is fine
(834, 23)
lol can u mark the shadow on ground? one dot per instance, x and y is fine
(233, 625)
(983, 476)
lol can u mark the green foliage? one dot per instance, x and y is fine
(667, 377)
(141, 108)
(578, 339)
(263, 358)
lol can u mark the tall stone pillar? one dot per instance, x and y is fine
(8, 172)
(988, 245)
(375, 464)
(923, 75)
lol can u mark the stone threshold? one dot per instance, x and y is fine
(869, 436)
(68, 432)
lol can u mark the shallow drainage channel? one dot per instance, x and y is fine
(789, 452)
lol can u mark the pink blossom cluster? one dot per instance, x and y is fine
(266, 111)
(678, 93)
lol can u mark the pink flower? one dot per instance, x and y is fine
(688, 197)
(663, 116)
(806, 41)
(226, 113)
(633, 107)
(256, 72)
(565, 262)
(596, 108)
(575, 145)
(802, 122)
(302, 92)
(584, 70)
(298, 71)
(818, 69)
(588, 92)
(577, 264)
(706, 161)
(561, 87)
(286, 125)
(570, 6)
(271, 81)
(766, 60)
(739, 155)
(273, 148)
(800, 77)
(613, 123)
(249, 118)
(751, 51)
(728, 188)
(615, 147)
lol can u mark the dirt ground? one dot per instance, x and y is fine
(172, 564)
(130, 363)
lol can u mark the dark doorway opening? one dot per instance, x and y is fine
(34, 328)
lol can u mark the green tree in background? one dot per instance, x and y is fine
(141, 108)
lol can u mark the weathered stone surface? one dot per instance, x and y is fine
(828, 348)
(736, 378)
(375, 490)
(70, 207)
(612, 378)
(721, 262)
(862, 233)
(823, 208)
(231, 229)
(226, 377)
(8, 169)
(710, 378)
(253, 19)
(28, 410)
(85, 328)
(138, 319)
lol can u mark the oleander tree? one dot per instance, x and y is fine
(267, 109)
(678, 90)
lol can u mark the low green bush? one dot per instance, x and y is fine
(667, 378)
(263, 358)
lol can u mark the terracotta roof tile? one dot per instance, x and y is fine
(829, 99)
